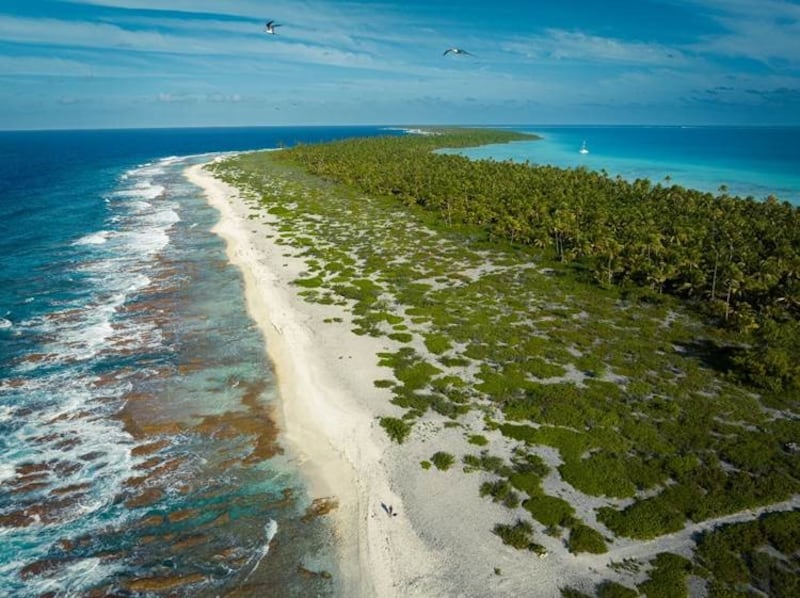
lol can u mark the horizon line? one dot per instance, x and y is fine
(401, 126)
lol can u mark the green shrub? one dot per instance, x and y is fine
(644, 519)
(397, 429)
(401, 337)
(519, 536)
(739, 554)
(601, 474)
(668, 577)
(550, 510)
(583, 538)
(500, 491)
(416, 376)
(442, 460)
(530, 483)
(478, 440)
(309, 283)
(437, 343)
(612, 589)
(486, 462)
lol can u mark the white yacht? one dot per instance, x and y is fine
(584, 149)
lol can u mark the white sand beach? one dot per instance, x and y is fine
(440, 543)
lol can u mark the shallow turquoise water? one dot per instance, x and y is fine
(750, 161)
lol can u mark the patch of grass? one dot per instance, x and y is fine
(583, 538)
(612, 589)
(519, 536)
(500, 491)
(401, 337)
(486, 462)
(309, 283)
(601, 474)
(477, 440)
(442, 460)
(550, 510)
(397, 429)
(437, 343)
(529, 482)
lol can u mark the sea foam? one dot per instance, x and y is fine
(97, 238)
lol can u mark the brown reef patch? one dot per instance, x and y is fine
(320, 507)
(16, 519)
(149, 464)
(151, 521)
(24, 469)
(182, 515)
(71, 488)
(145, 499)
(309, 574)
(163, 584)
(255, 422)
(39, 568)
(29, 487)
(189, 541)
(13, 383)
(149, 448)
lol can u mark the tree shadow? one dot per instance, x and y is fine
(719, 358)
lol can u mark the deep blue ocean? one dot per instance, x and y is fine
(138, 455)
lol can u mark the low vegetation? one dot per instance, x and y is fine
(442, 460)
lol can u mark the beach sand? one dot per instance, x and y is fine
(440, 543)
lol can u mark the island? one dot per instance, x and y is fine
(514, 379)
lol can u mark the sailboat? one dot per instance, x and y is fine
(583, 149)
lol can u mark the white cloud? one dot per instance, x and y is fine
(762, 30)
(47, 67)
(560, 44)
(211, 39)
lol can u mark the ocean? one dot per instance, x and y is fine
(138, 451)
(137, 448)
(749, 161)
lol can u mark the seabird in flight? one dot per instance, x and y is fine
(456, 51)
(270, 27)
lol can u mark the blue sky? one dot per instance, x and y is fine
(156, 63)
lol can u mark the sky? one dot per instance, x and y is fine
(177, 63)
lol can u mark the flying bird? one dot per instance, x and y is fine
(270, 27)
(456, 51)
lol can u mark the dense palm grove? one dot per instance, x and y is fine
(737, 259)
